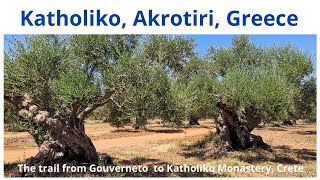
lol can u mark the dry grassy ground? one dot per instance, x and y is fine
(290, 145)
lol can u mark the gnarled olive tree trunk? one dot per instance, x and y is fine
(233, 129)
(68, 142)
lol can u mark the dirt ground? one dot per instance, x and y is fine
(290, 145)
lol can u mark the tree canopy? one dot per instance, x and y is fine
(158, 76)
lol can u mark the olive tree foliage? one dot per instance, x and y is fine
(296, 67)
(268, 79)
(170, 51)
(60, 70)
(241, 53)
(292, 63)
(148, 91)
(31, 64)
(137, 101)
(261, 88)
(197, 81)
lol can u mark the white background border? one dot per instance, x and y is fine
(307, 11)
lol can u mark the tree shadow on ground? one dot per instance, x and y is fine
(280, 154)
(284, 159)
(125, 130)
(200, 148)
(166, 130)
(307, 154)
(304, 154)
(305, 132)
(197, 127)
(256, 156)
(277, 129)
(253, 158)
(199, 154)
(277, 154)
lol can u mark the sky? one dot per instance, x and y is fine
(304, 42)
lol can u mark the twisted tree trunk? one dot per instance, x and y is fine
(233, 129)
(68, 142)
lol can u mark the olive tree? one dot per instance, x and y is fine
(255, 84)
(56, 82)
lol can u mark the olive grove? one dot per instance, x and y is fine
(53, 83)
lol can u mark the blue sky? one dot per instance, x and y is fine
(305, 42)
